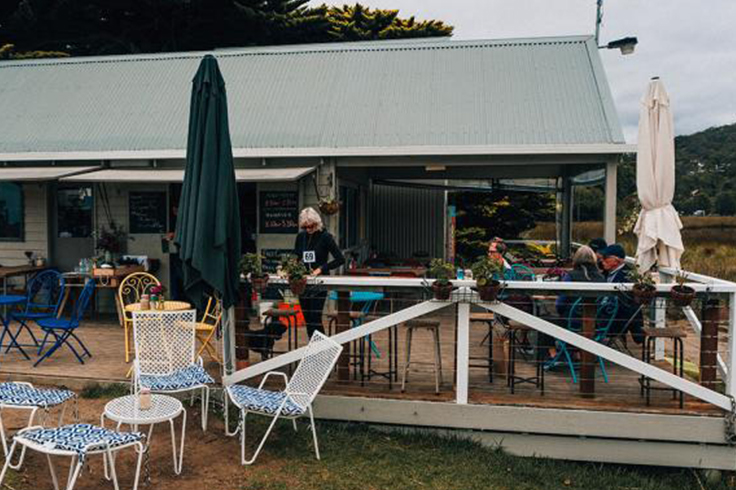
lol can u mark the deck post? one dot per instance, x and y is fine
(343, 324)
(709, 344)
(587, 364)
(660, 313)
(731, 379)
(463, 352)
(609, 213)
(566, 223)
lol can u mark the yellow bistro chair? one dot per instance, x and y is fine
(207, 327)
(130, 291)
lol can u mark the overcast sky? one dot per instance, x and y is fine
(689, 44)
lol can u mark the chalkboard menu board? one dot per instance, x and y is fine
(272, 257)
(279, 212)
(147, 212)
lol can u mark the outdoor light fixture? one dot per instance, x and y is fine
(626, 44)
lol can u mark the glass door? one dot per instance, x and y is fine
(73, 226)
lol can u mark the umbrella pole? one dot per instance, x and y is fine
(228, 342)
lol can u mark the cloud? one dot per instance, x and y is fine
(689, 44)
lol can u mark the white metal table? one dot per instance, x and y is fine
(126, 410)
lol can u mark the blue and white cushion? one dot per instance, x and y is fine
(188, 377)
(26, 396)
(79, 438)
(264, 401)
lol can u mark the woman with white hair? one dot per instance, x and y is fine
(313, 247)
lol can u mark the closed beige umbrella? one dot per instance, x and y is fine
(659, 225)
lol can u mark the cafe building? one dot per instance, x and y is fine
(384, 127)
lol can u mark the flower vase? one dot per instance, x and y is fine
(108, 257)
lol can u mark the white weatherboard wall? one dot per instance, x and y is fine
(35, 228)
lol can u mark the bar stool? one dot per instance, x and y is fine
(434, 328)
(488, 319)
(678, 358)
(518, 332)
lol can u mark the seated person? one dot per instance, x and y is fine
(629, 317)
(584, 270)
(598, 244)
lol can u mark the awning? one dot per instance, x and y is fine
(26, 174)
(177, 175)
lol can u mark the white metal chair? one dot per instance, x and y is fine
(165, 360)
(24, 396)
(296, 399)
(77, 441)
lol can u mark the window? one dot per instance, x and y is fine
(75, 207)
(11, 212)
(348, 217)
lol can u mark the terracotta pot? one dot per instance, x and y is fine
(298, 286)
(442, 292)
(643, 294)
(259, 283)
(489, 292)
(682, 296)
(329, 208)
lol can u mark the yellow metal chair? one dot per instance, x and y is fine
(130, 291)
(207, 327)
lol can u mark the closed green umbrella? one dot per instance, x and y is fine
(208, 223)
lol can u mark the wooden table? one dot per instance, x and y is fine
(168, 306)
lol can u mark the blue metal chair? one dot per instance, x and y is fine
(62, 329)
(606, 310)
(44, 294)
(520, 272)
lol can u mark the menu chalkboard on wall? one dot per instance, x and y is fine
(147, 212)
(272, 258)
(279, 212)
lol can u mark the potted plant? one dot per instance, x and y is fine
(680, 294)
(296, 274)
(485, 272)
(329, 206)
(251, 266)
(644, 289)
(442, 272)
(111, 241)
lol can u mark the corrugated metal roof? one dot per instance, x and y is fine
(520, 92)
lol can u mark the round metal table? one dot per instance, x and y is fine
(125, 410)
(7, 300)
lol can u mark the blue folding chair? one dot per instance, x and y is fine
(62, 329)
(606, 311)
(44, 294)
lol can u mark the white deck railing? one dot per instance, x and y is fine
(464, 297)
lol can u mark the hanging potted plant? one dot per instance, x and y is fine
(329, 206)
(486, 272)
(644, 289)
(251, 267)
(680, 294)
(442, 272)
(296, 274)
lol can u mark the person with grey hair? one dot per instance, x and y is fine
(313, 247)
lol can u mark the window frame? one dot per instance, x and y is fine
(22, 237)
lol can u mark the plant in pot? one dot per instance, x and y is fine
(644, 289)
(680, 294)
(296, 274)
(485, 272)
(442, 272)
(329, 206)
(251, 266)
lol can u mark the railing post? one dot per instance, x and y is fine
(343, 324)
(463, 352)
(709, 344)
(731, 380)
(587, 364)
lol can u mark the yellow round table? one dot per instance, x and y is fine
(168, 306)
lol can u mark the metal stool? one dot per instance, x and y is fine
(392, 374)
(517, 331)
(678, 358)
(356, 353)
(434, 327)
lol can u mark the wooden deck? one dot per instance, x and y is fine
(620, 394)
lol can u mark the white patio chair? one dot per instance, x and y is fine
(24, 396)
(165, 359)
(77, 441)
(296, 399)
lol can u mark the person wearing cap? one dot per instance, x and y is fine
(629, 317)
